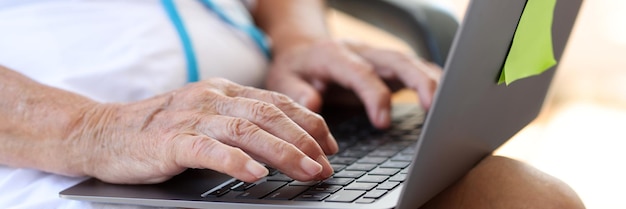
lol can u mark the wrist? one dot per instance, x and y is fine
(287, 42)
(88, 139)
(291, 23)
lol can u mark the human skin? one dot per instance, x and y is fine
(214, 124)
(219, 125)
(307, 62)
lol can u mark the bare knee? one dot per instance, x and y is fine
(500, 182)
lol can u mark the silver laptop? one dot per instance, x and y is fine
(402, 167)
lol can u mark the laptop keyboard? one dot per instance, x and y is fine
(369, 165)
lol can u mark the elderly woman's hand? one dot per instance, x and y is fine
(214, 124)
(306, 70)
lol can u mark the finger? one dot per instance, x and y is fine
(204, 152)
(271, 119)
(352, 72)
(286, 157)
(413, 72)
(308, 120)
(311, 122)
(295, 87)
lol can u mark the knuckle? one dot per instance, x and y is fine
(362, 68)
(239, 128)
(230, 160)
(304, 142)
(200, 147)
(313, 122)
(286, 153)
(194, 149)
(224, 85)
(265, 112)
(280, 99)
(317, 122)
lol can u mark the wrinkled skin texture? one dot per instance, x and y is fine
(213, 124)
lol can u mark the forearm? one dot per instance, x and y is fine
(291, 22)
(37, 124)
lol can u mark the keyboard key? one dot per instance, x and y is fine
(279, 177)
(404, 171)
(261, 190)
(412, 136)
(304, 183)
(365, 200)
(312, 196)
(361, 186)
(220, 192)
(353, 153)
(241, 186)
(402, 157)
(343, 144)
(373, 179)
(387, 151)
(384, 171)
(225, 189)
(343, 160)
(409, 150)
(337, 167)
(361, 167)
(364, 147)
(338, 181)
(349, 174)
(372, 160)
(395, 164)
(272, 171)
(345, 196)
(398, 177)
(388, 185)
(375, 194)
(326, 188)
(287, 192)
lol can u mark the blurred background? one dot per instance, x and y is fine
(580, 135)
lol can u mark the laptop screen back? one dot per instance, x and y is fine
(472, 114)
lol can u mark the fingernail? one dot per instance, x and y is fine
(324, 161)
(256, 169)
(310, 167)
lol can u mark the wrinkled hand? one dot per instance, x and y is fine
(212, 124)
(306, 71)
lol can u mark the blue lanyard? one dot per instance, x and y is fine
(192, 65)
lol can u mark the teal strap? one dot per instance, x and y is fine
(192, 65)
(190, 56)
(254, 32)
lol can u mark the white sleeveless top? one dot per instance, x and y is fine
(113, 51)
(121, 50)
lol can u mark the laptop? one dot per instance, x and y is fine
(405, 166)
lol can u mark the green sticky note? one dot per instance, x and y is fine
(531, 52)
